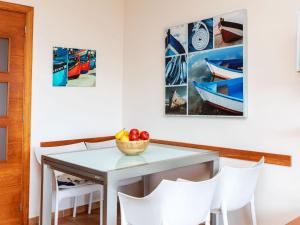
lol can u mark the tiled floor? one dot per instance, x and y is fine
(82, 219)
(93, 219)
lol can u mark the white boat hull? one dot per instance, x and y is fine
(235, 31)
(222, 102)
(223, 73)
(177, 101)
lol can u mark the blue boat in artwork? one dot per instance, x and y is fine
(93, 60)
(173, 46)
(60, 73)
(60, 70)
(176, 70)
(226, 69)
(224, 94)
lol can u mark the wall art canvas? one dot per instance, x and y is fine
(205, 70)
(298, 42)
(74, 67)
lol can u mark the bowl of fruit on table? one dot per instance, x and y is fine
(133, 142)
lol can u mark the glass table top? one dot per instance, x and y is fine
(109, 159)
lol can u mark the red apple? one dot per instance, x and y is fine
(134, 131)
(133, 137)
(144, 135)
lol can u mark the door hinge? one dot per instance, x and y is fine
(25, 29)
(21, 207)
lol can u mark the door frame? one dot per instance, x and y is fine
(28, 11)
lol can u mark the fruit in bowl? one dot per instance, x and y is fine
(144, 135)
(133, 142)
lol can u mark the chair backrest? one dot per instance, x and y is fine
(191, 204)
(102, 144)
(172, 203)
(39, 151)
(146, 210)
(236, 186)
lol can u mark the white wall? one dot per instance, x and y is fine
(273, 122)
(64, 113)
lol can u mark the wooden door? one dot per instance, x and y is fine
(12, 43)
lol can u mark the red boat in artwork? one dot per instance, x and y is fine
(230, 31)
(73, 64)
(74, 67)
(84, 62)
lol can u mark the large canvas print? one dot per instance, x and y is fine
(206, 76)
(74, 67)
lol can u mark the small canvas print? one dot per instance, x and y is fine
(216, 82)
(176, 40)
(209, 79)
(176, 100)
(229, 29)
(200, 35)
(74, 67)
(176, 70)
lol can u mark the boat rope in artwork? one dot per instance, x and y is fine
(200, 38)
(226, 69)
(176, 100)
(224, 94)
(176, 71)
(173, 46)
(230, 31)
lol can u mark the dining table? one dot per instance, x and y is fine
(109, 166)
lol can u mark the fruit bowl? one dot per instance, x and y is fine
(132, 147)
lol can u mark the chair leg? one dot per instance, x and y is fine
(56, 211)
(101, 211)
(75, 206)
(90, 203)
(253, 215)
(207, 221)
(224, 215)
(217, 216)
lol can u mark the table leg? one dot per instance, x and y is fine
(214, 169)
(146, 183)
(46, 195)
(110, 203)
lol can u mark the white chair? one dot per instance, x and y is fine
(192, 203)
(78, 189)
(146, 210)
(171, 203)
(235, 190)
(111, 144)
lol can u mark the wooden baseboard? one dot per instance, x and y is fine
(250, 155)
(66, 213)
(294, 222)
(74, 141)
(270, 158)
